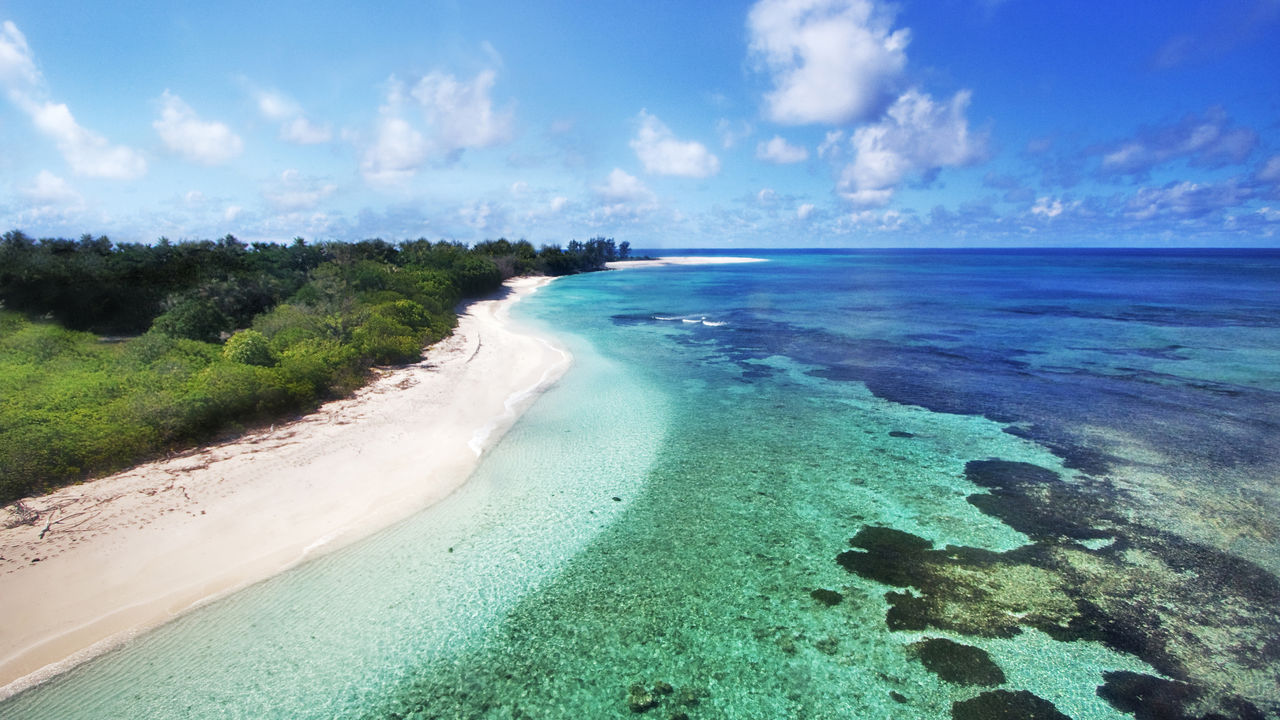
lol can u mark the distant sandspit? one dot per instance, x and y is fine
(681, 260)
(128, 552)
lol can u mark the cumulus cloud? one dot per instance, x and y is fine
(624, 187)
(294, 192)
(805, 211)
(779, 151)
(662, 154)
(917, 134)
(1206, 140)
(831, 61)
(461, 114)
(1047, 208)
(51, 190)
(622, 195)
(398, 150)
(203, 141)
(455, 116)
(87, 152)
(295, 127)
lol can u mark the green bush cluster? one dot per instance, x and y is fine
(222, 335)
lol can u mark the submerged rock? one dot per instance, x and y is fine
(1006, 705)
(641, 700)
(826, 597)
(956, 663)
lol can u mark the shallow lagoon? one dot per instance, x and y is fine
(825, 465)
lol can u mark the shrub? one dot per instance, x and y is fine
(249, 347)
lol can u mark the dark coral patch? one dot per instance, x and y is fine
(958, 664)
(1131, 594)
(826, 597)
(1006, 705)
(884, 555)
(1030, 499)
(901, 434)
(1153, 698)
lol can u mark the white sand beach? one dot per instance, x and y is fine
(110, 558)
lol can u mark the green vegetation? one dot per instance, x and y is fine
(208, 337)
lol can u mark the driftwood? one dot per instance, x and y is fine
(23, 514)
(57, 515)
(52, 512)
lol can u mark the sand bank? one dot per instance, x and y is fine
(130, 551)
(682, 260)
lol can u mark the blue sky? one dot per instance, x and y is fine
(670, 124)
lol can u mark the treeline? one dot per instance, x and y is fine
(207, 337)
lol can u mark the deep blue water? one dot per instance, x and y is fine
(833, 484)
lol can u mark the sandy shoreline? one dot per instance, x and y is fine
(138, 548)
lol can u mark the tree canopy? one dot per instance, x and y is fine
(205, 337)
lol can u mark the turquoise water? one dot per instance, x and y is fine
(844, 483)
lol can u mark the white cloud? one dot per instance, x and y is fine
(1207, 140)
(87, 152)
(294, 192)
(832, 61)
(917, 134)
(456, 116)
(558, 203)
(397, 153)
(399, 148)
(276, 106)
(232, 212)
(622, 186)
(662, 154)
(461, 114)
(302, 131)
(1046, 208)
(295, 127)
(202, 141)
(766, 196)
(870, 219)
(781, 152)
(17, 63)
(51, 190)
(832, 147)
(804, 211)
(623, 196)
(1185, 200)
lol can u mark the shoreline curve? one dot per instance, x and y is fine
(153, 542)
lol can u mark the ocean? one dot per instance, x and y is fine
(907, 484)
